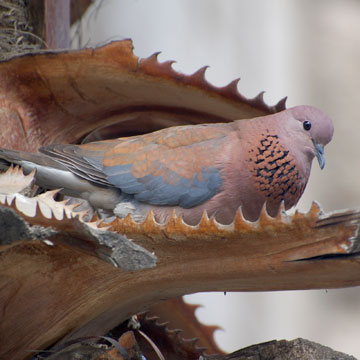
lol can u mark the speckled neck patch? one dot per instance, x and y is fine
(275, 172)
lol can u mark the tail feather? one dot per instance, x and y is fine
(22, 158)
(51, 174)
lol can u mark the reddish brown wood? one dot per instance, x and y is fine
(57, 98)
(180, 315)
(50, 293)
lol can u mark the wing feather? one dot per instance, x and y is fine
(174, 166)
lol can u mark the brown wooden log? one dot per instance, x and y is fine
(59, 292)
(62, 97)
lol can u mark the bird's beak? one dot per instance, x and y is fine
(319, 152)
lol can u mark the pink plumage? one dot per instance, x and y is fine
(190, 169)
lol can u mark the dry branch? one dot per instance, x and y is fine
(63, 292)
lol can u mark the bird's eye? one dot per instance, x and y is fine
(307, 125)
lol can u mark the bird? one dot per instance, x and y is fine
(215, 167)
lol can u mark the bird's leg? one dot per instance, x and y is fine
(123, 209)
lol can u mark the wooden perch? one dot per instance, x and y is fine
(63, 97)
(62, 292)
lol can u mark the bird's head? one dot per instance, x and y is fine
(311, 129)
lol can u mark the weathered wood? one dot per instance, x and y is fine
(54, 292)
(62, 97)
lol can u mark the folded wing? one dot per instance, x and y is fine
(174, 166)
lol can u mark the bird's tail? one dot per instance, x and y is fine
(8, 157)
(50, 174)
(27, 160)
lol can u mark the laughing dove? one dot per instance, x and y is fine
(189, 169)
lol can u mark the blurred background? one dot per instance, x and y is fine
(308, 50)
